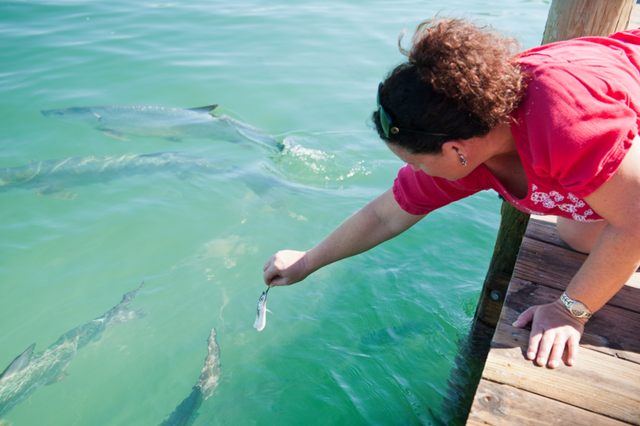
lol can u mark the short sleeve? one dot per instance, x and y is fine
(418, 193)
(580, 120)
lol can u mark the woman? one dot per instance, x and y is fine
(551, 129)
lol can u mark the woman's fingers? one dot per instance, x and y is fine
(546, 345)
(535, 343)
(284, 268)
(552, 330)
(574, 344)
(556, 352)
(534, 338)
(552, 348)
(525, 318)
(267, 264)
(270, 275)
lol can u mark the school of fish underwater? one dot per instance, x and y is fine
(30, 371)
(155, 155)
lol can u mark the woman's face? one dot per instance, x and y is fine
(445, 165)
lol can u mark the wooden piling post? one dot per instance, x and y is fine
(505, 253)
(580, 18)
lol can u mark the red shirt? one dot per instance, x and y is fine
(573, 128)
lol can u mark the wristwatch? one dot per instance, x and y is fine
(577, 308)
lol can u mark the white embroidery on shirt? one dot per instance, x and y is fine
(552, 199)
(556, 196)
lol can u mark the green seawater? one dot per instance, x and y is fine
(369, 340)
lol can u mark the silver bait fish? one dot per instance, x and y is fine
(261, 314)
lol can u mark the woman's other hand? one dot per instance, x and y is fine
(285, 268)
(552, 329)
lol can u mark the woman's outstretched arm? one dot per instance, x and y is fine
(378, 221)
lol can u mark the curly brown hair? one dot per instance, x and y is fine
(460, 80)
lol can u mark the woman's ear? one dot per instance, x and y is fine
(455, 147)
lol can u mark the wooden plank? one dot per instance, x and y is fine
(543, 229)
(598, 383)
(546, 264)
(497, 404)
(612, 330)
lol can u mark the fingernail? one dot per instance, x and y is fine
(571, 361)
(516, 323)
(553, 364)
(531, 355)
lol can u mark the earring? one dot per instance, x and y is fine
(463, 160)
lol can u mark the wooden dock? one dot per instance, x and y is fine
(603, 388)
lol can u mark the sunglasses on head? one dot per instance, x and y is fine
(387, 125)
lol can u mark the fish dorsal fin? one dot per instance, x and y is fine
(208, 109)
(19, 363)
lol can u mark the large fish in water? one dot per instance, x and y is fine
(28, 372)
(173, 124)
(186, 412)
(51, 176)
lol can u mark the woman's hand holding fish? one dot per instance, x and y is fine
(285, 268)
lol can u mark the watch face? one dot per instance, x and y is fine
(578, 309)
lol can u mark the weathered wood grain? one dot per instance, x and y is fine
(578, 18)
(502, 405)
(546, 264)
(543, 229)
(598, 383)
